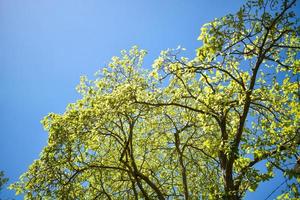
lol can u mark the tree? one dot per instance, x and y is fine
(189, 129)
(3, 180)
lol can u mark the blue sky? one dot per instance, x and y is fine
(46, 45)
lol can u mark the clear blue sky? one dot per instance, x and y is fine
(46, 45)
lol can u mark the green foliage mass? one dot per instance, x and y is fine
(188, 129)
(3, 180)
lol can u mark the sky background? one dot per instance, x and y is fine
(46, 45)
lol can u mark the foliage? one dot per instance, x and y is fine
(189, 129)
(3, 180)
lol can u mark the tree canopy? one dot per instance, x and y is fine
(3, 180)
(189, 128)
